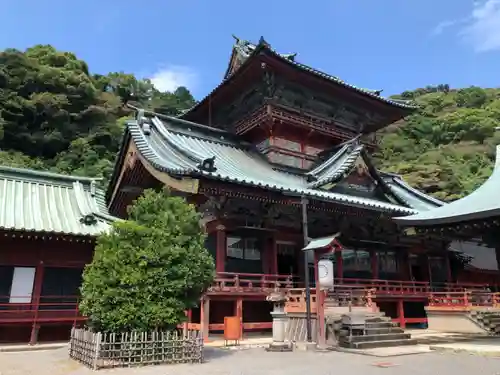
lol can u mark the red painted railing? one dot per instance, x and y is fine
(388, 287)
(405, 287)
(45, 309)
(228, 282)
(249, 282)
(464, 299)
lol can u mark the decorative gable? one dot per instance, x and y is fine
(358, 181)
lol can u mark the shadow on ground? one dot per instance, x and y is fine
(216, 353)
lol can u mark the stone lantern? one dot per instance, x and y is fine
(279, 323)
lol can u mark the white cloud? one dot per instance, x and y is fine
(171, 77)
(483, 29)
(480, 29)
(442, 26)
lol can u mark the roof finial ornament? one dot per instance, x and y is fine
(263, 42)
(140, 116)
(208, 165)
(236, 38)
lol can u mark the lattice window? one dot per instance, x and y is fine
(286, 248)
(243, 248)
(356, 260)
(387, 262)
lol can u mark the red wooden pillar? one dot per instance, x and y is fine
(239, 313)
(449, 276)
(340, 266)
(273, 255)
(497, 253)
(401, 314)
(189, 319)
(205, 317)
(403, 265)
(320, 313)
(35, 300)
(374, 263)
(220, 255)
(299, 256)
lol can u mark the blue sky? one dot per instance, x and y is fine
(390, 44)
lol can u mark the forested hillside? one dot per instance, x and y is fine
(447, 148)
(55, 115)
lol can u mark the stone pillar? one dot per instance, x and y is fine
(205, 317)
(279, 323)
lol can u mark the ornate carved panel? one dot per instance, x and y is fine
(298, 97)
(247, 102)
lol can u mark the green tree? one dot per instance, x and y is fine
(148, 270)
(471, 97)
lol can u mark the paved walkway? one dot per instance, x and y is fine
(489, 347)
(260, 362)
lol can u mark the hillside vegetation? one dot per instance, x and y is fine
(447, 148)
(55, 115)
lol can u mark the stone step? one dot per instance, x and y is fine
(492, 320)
(374, 331)
(380, 337)
(381, 331)
(377, 344)
(382, 324)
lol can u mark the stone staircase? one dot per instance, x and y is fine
(487, 319)
(378, 332)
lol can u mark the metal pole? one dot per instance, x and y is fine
(306, 270)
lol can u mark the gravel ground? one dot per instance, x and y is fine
(259, 362)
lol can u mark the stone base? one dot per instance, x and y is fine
(305, 346)
(279, 347)
(325, 348)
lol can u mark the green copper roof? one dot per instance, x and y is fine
(180, 147)
(321, 243)
(483, 203)
(51, 203)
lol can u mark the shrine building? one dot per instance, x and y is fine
(275, 140)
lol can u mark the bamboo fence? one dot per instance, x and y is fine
(98, 350)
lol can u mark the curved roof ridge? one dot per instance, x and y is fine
(189, 153)
(27, 173)
(345, 165)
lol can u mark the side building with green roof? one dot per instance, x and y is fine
(48, 227)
